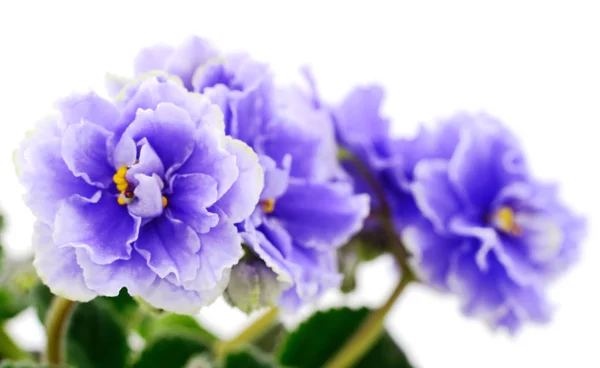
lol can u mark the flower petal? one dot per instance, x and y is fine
(317, 272)
(152, 58)
(148, 164)
(170, 247)
(276, 179)
(58, 267)
(169, 130)
(152, 90)
(211, 157)
(85, 151)
(321, 215)
(240, 200)
(190, 55)
(191, 195)
(148, 202)
(99, 225)
(174, 298)
(221, 249)
(109, 279)
(434, 193)
(48, 180)
(486, 158)
(89, 107)
(430, 253)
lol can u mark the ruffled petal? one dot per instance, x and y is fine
(170, 247)
(191, 195)
(186, 58)
(221, 249)
(169, 131)
(316, 272)
(58, 267)
(430, 253)
(276, 178)
(305, 133)
(321, 215)
(240, 200)
(152, 58)
(434, 193)
(357, 119)
(85, 151)
(272, 244)
(133, 274)
(99, 225)
(148, 202)
(89, 107)
(486, 158)
(47, 179)
(148, 164)
(150, 91)
(174, 298)
(211, 157)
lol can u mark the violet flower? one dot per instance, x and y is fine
(475, 221)
(307, 208)
(143, 195)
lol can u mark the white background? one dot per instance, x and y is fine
(536, 65)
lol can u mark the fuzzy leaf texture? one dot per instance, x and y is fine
(318, 339)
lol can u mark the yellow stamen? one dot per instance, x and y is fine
(505, 221)
(268, 205)
(122, 185)
(164, 201)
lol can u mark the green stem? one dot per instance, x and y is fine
(368, 333)
(385, 212)
(56, 324)
(9, 349)
(250, 334)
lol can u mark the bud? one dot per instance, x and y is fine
(252, 285)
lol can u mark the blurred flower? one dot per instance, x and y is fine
(307, 208)
(143, 194)
(476, 222)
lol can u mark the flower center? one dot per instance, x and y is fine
(126, 195)
(504, 220)
(268, 205)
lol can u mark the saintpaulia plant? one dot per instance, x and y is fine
(142, 194)
(307, 207)
(202, 177)
(476, 222)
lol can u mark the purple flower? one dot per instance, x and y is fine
(143, 194)
(307, 208)
(475, 221)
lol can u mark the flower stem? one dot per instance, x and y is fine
(250, 334)
(56, 324)
(368, 333)
(9, 349)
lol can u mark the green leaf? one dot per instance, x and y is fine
(175, 324)
(16, 279)
(170, 350)
(248, 358)
(95, 337)
(201, 361)
(123, 306)
(271, 340)
(41, 298)
(319, 338)
(20, 364)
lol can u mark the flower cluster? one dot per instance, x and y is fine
(474, 220)
(203, 177)
(200, 165)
